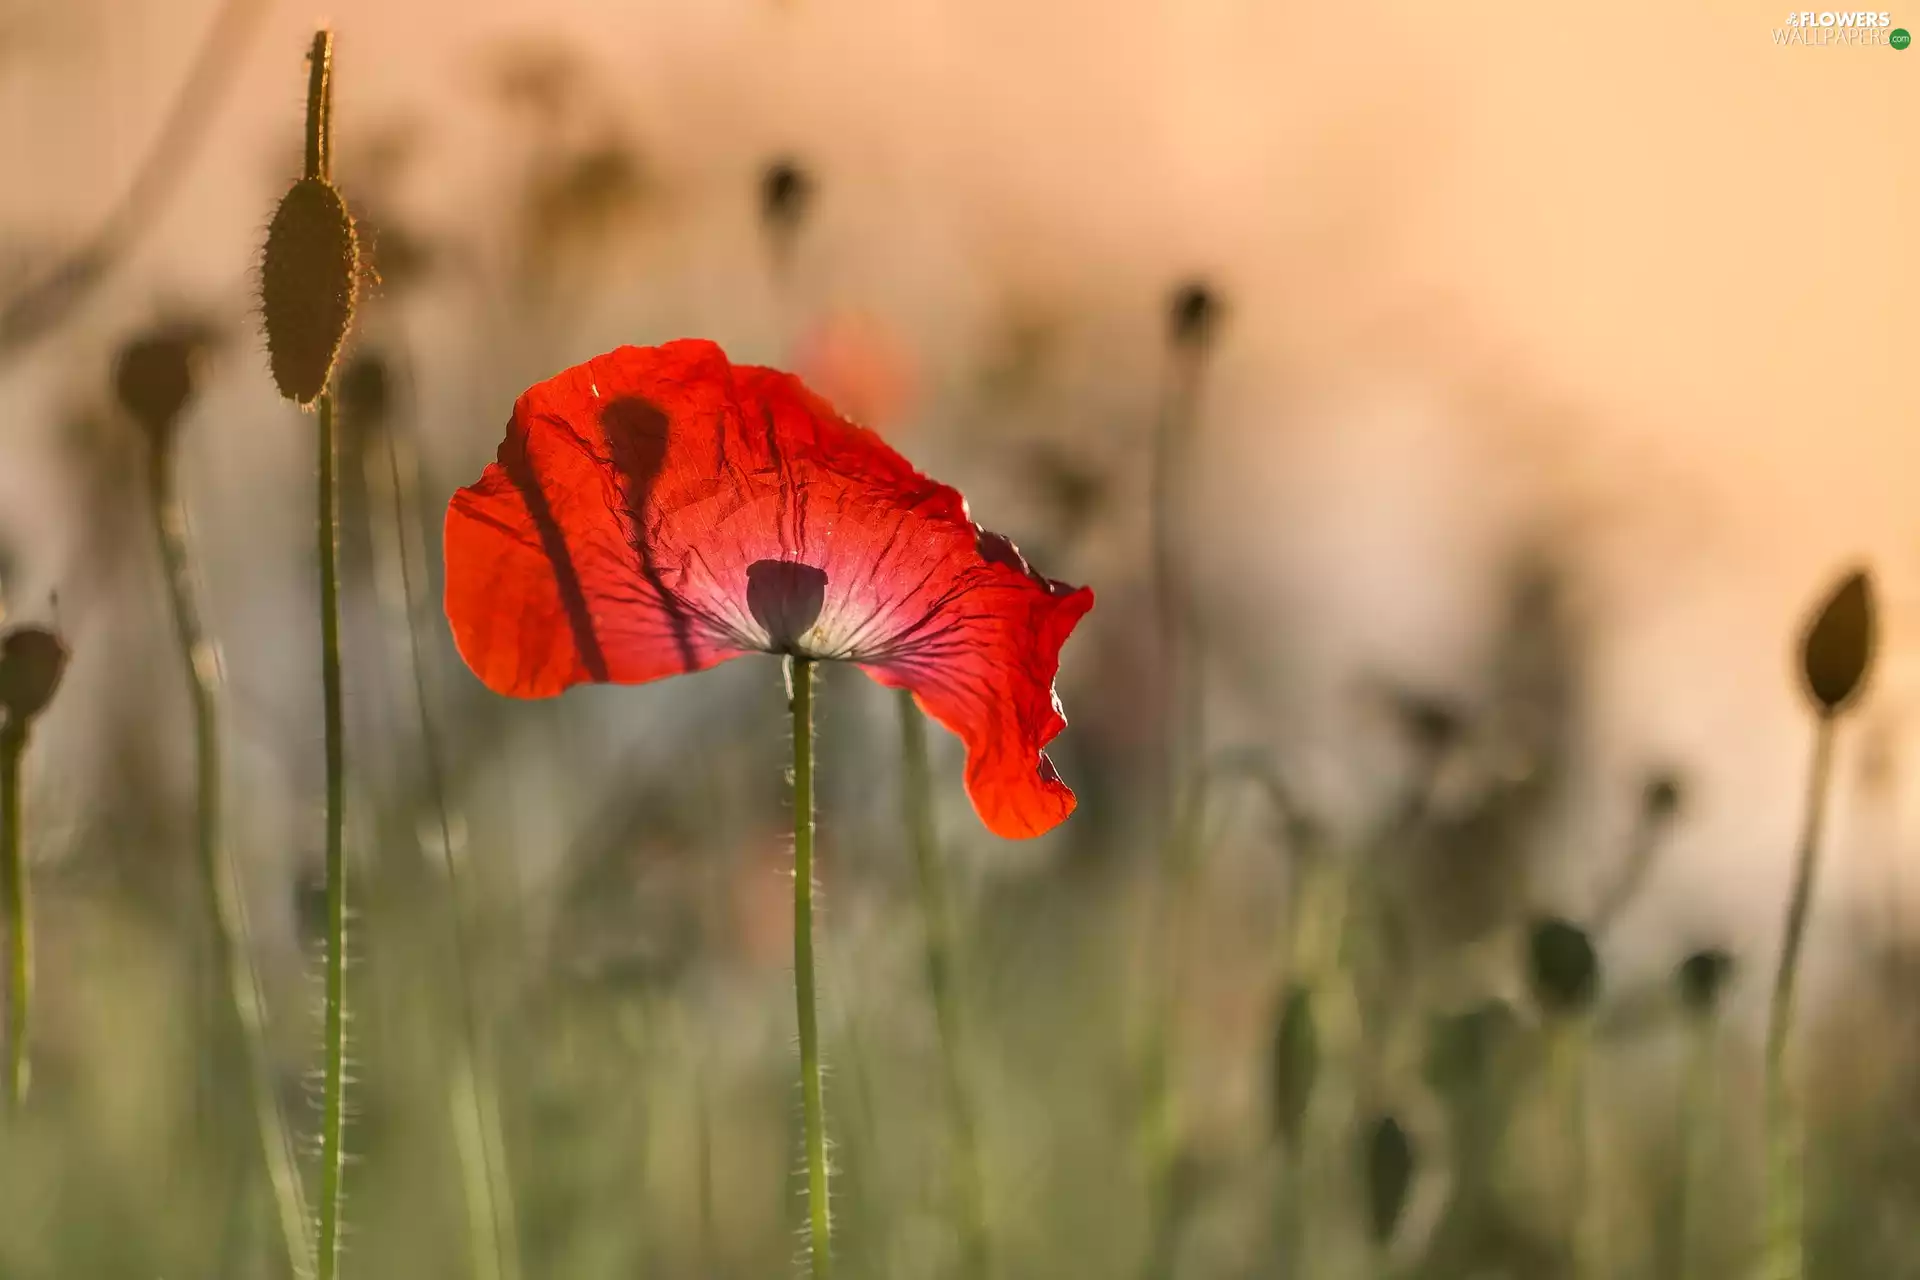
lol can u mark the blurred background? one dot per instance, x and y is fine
(1559, 362)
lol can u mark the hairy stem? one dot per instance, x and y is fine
(812, 1102)
(1786, 1178)
(333, 1108)
(13, 884)
(226, 905)
(938, 924)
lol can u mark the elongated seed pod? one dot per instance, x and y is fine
(308, 279)
(1390, 1161)
(1836, 652)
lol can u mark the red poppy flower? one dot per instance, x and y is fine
(659, 510)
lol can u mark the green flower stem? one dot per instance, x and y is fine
(1569, 1050)
(1698, 1107)
(13, 883)
(226, 906)
(938, 924)
(473, 1102)
(812, 1102)
(1786, 1178)
(333, 1109)
(1181, 802)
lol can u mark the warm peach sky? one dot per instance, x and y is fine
(1703, 242)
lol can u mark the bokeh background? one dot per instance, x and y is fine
(1564, 358)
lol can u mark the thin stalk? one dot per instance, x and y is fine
(474, 1104)
(938, 925)
(319, 164)
(1785, 1257)
(1569, 1051)
(1697, 1108)
(13, 883)
(1180, 799)
(1632, 879)
(333, 1108)
(812, 1101)
(225, 904)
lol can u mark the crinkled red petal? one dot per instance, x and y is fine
(658, 510)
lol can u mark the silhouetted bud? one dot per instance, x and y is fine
(366, 392)
(308, 279)
(1663, 796)
(1296, 1061)
(1389, 1163)
(1562, 967)
(1432, 727)
(1194, 315)
(1838, 648)
(32, 659)
(154, 377)
(786, 191)
(1702, 977)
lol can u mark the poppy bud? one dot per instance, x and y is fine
(31, 662)
(1562, 967)
(1432, 727)
(1662, 797)
(1296, 1061)
(785, 192)
(308, 278)
(1702, 976)
(1194, 314)
(154, 377)
(1838, 648)
(1389, 1163)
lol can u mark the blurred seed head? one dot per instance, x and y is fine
(1389, 1157)
(32, 660)
(1562, 968)
(1702, 978)
(309, 278)
(1194, 315)
(786, 195)
(1836, 653)
(1662, 797)
(156, 373)
(1296, 1061)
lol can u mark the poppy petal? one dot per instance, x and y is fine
(658, 510)
(547, 585)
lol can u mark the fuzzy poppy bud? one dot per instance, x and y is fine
(1562, 968)
(1662, 797)
(786, 190)
(154, 378)
(308, 278)
(32, 659)
(1702, 977)
(1837, 650)
(1295, 1063)
(1389, 1159)
(1194, 314)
